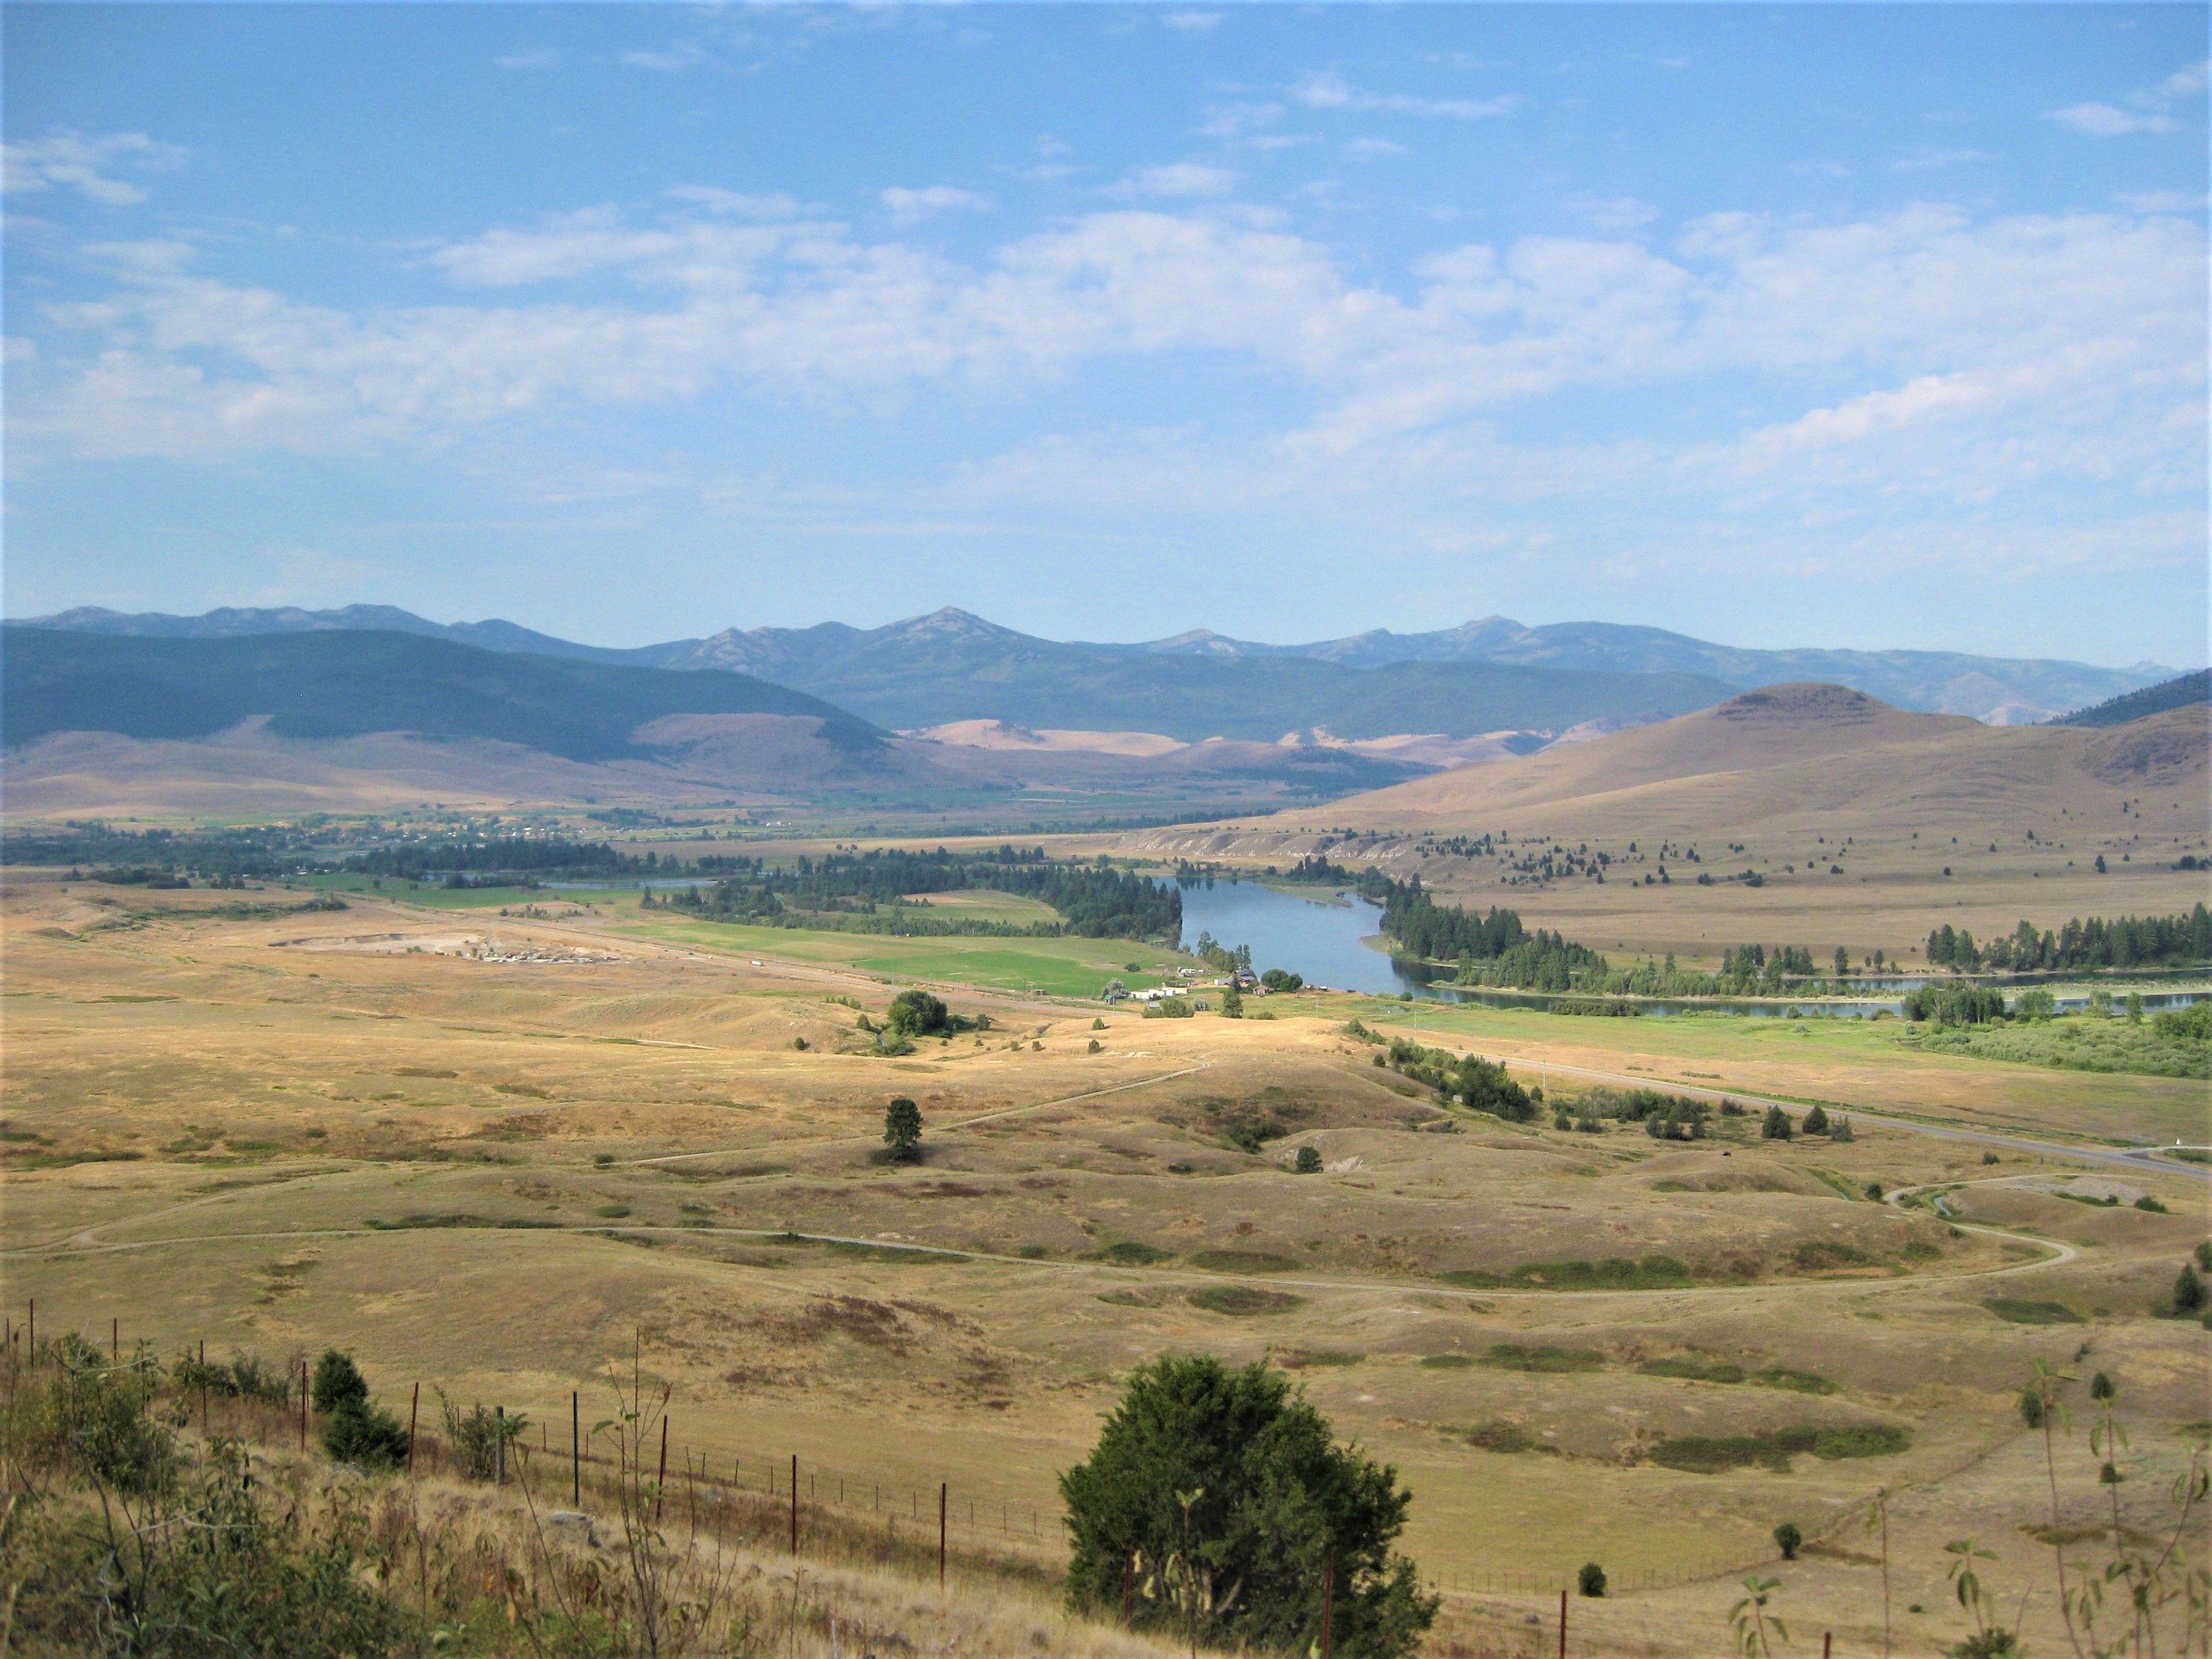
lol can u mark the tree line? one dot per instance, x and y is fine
(2121, 942)
(871, 892)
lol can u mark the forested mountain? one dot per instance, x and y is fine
(951, 666)
(345, 684)
(2177, 693)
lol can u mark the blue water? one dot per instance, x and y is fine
(1321, 937)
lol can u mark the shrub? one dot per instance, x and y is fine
(474, 1438)
(1816, 1121)
(1177, 1007)
(365, 1436)
(1216, 1479)
(2188, 1291)
(1308, 1161)
(1787, 1538)
(1776, 1124)
(2030, 1405)
(917, 1013)
(2147, 1203)
(1094, 1046)
(1590, 1580)
(338, 1382)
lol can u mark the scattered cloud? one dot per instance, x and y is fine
(1373, 149)
(1328, 90)
(1235, 121)
(1616, 213)
(1177, 179)
(67, 159)
(908, 206)
(2109, 121)
(2161, 201)
(2147, 110)
(1923, 161)
(670, 59)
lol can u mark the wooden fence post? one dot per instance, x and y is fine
(575, 1450)
(943, 1490)
(35, 1330)
(414, 1416)
(794, 1503)
(303, 1404)
(1563, 1625)
(499, 1468)
(115, 1342)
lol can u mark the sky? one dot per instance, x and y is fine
(1843, 326)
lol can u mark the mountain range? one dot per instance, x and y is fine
(951, 666)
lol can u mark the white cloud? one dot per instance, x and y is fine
(908, 206)
(677, 55)
(1191, 22)
(1613, 212)
(737, 204)
(2147, 109)
(1923, 161)
(1923, 353)
(2108, 121)
(2161, 201)
(1328, 90)
(1177, 179)
(1373, 149)
(67, 158)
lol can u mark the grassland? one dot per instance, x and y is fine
(280, 1129)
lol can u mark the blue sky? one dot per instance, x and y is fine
(1849, 325)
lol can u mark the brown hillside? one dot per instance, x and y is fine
(1795, 755)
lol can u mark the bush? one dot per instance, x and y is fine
(2030, 1405)
(1816, 1121)
(2188, 1291)
(1590, 1580)
(474, 1438)
(1177, 1007)
(1775, 1126)
(365, 1436)
(1787, 1539)
(1213, 1480)
(338, 1382)
(1308, 1161)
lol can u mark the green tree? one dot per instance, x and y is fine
(1590, 1580)
(902, 1129)
(1816, 1121)
(2188, 1291)
(1309, 1160)
(917, 1013)
(338, 1382)
(1240, 1482)
(1843, 962)
(365, 1436)
(1787, 1539)
(1776, 1124)
(1232, 1000)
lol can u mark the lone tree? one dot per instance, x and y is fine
(1309, 1160)
(354, 1431)
(1787, 1539)
(1816, 1121)
(902, 1129)
(1775, 1126)
(1226, 1479)
(1590, 1580)
(2188, 1291)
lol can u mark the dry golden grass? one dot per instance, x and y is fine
(302, 1099)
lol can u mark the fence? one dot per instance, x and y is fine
(808, 1507)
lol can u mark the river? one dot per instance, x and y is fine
(1322, 938)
